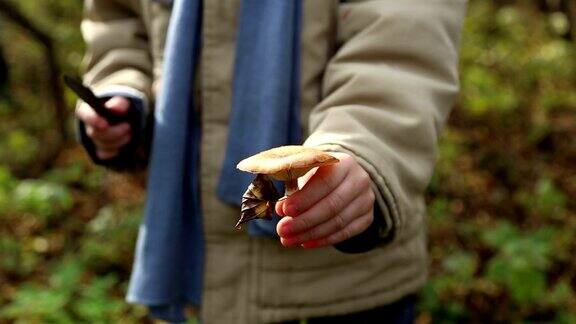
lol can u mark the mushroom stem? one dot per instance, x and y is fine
(291, 187)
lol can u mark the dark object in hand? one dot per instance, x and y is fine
(259, 200)
(96, 103)
(133, 155)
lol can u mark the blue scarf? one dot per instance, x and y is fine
(167, 272)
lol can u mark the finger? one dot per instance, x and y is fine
(362, 205)
(87, 115)
(106, 154)
(356, 227)
(110, 134)
(279, 207)
(324, 181)
(119, 105)
(115, 145)
(327, 208)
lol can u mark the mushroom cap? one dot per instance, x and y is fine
(286, 162)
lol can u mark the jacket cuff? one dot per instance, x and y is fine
(133, 155)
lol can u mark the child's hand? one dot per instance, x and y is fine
(335, 204)
(108, 139)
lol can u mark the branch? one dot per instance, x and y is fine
(13, 13)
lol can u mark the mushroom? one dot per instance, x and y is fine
(285, 163)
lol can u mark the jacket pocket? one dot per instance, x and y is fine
(326, 280)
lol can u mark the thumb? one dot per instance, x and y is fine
(118, 105)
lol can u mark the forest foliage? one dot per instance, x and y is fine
(502, 207)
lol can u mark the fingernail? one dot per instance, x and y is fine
(289, 242)
(285, 230)
(309, 244)
(279, 209)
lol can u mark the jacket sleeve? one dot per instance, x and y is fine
(117, 48)
(118, 62)
(387, 92)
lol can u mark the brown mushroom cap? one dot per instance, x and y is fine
(286, 162)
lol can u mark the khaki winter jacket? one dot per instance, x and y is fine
(378, 80)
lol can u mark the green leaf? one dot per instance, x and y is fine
(38, 304)
(95, 304)
(498, 236)
(42, 198)
(18, 147)
(550, 201)
(66, 275)
(525, 284)
(461, 265)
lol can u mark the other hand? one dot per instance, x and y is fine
(108, 139)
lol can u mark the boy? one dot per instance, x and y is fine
(370, 81)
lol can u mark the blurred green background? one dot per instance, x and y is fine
(502, 210)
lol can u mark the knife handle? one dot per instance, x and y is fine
(88, 96)
(111, 117)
